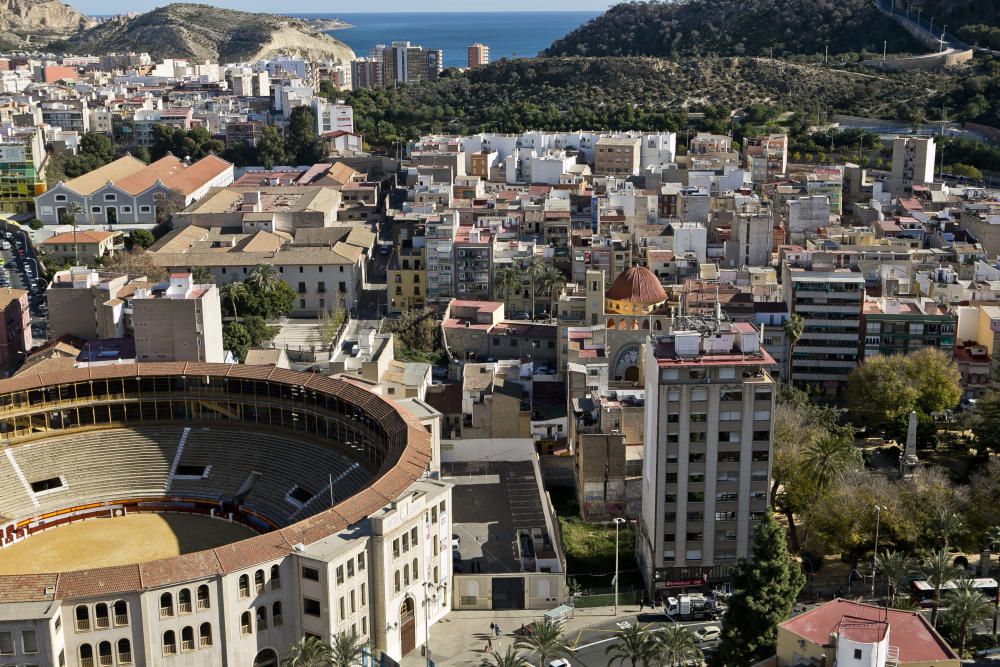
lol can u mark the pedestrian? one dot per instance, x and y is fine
(493, 628)
(642, 603)
(498, 632)
(489, 645)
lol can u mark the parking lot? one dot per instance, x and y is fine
(20, 270)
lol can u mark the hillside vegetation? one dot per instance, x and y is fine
(974, 21)
(735, 27)
(640, 92)
(203, 32)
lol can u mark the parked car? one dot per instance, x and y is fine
(520, 316)
(709, 633)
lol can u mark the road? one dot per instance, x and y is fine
(21, 258)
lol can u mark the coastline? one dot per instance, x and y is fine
(325, 25)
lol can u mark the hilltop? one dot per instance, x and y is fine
(203, 32)
(734, 28)
(19, 18)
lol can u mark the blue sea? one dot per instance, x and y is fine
(508, 34)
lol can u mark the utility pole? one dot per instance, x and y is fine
(885, 44)
(618, 522)
(826, 53)
(878, 517)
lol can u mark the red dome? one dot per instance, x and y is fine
(637, 285)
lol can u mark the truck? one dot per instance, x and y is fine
(692, 607)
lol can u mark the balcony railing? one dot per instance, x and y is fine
(125, 658)
(184, 607)
(121, 619)
(102, 622)
(187, 645)
(105, 661)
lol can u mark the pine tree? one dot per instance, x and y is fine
(766, 588)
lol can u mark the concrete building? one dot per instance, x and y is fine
(841, 632)
(806, 215)
(171, 321)
(900, 325)
(912, 164)
(479, 54)
(707, 459)
(830, 302)
(766, 157)
(332, 116)
(751, 235)
(84, 245)
(618, 156)
(403, 62)
(22, 156)
(130, 192)
(15, 335)
(178, 321)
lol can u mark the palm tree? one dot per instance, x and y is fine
(232, 292)
(633, 646)
(509, 658)
(264, 277)
(551, 281)
(676, 646)
(894, 566)
(69, 217)
(966, 607)
(938, 570)
(793, 332)
(347, 649)
(507, 283)
(546, 640)
(309, 652)
(202, 275)
(534, 268)
(828, 456)
(945, 525)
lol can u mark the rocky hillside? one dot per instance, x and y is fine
(734, 28)
(202, 32)
(40, 17)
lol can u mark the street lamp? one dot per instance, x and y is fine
(618, 522)
(878, 517)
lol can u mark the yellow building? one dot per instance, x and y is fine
(617, 156)
(406, 276)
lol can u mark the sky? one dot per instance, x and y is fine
(103, 7)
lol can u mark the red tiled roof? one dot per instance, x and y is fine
(916, 639)
(637, 285)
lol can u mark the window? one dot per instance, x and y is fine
(126, 209)
(857, 654)
(82, 618)
(124, 652)
(406, 575)
(276, 617)
(205, 635)
(364, 625)
(343, 608)
(275, 577)
(258, 581)
(184, 601)
(340, 574)
(396, 587)
(302, 288)
(204, 602)
(762, 436)
(86, 655)
(6, 643)
(350, 568)
(310, 607)
(761, 415)
(364, 596)
(729, 457)
(166, 605)
(696, 496)
(60, 197)
(406, 542)
(321, 287)
(244, 586)
(301, 270)
(261, 618)
(145, 209)
(95, 209)
(310, 573)
(169, 643)
(50, 484)
(696, 458)
(731, 395)
(187, 638)
(761, 456)
(245, 626)
(110, 197)
(302, 303)
(102, 620)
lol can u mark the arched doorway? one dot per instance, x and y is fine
(266, 658)
(407, 627)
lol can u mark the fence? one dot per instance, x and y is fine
(600, 597)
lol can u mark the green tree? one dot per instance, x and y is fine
(202, 275)
(766, 588)
(140, 238)
(966, 606)
(877, 392)
(545, 640)
(98, 145)
(945, 525)
(509, 658)
(308, 652)
(829, 456)
(346, 650)
(136, 263)
(72, 217)
(634, 647)
(534, 268)
(938, 569)
(550, 283)
(417, 329)
(302, 142)
(894, 566)
(271, 148)
(794, 327)
(260, 331)
(507, 283)
(676, 646)
(264, 278)
(277, 302)
(236, 339)
(936, 378)
(968, 171)
(233, 292)
(985, 422)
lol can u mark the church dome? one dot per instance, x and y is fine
(637, 285)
